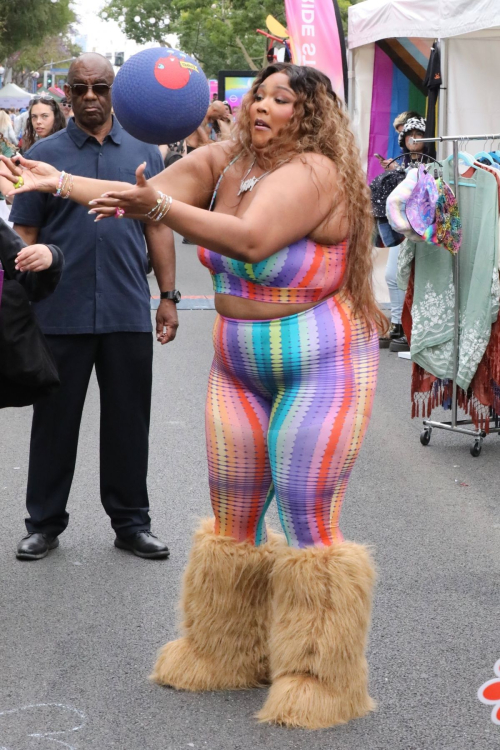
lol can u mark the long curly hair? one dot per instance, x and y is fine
(29, 135)
(320, 124)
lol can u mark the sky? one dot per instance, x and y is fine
(103, 36)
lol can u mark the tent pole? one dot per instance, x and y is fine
(350, 84)
(443, 99)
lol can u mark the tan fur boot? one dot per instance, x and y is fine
(226, 604)
(321, 616)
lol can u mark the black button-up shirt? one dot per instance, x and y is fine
(104, 286)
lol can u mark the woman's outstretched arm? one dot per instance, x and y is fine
(190, 179)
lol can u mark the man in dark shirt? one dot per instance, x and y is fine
(99, 316)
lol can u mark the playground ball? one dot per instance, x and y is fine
(160, 95)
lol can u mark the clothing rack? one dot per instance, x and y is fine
(456, 425)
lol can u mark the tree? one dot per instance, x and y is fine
(221, 35)
(24, 22)
(38, 56)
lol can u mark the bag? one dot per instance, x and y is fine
(381, 188)
(27, 368)
(421, 205)
(396, 206)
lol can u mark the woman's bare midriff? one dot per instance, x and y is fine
(248, 309)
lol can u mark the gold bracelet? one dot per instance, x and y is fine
(157, 205)
(165, 209)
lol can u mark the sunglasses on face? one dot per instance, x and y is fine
(99, 89)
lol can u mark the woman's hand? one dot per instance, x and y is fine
(34, 258)
(136, 202)
(36, 175)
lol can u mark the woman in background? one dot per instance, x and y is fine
(7, 128)
(44, 119)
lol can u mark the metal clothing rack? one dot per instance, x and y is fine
(456, 425)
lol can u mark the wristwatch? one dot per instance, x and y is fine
(175, 296)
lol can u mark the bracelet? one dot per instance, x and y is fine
(157, 205)
(165, 209)
(66, 191)
(59, 187)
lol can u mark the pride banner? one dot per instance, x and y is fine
(317, 39)
(393, 93)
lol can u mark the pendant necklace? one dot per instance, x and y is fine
(248, 185)
(252, 181)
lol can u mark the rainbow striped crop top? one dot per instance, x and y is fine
(300, 273)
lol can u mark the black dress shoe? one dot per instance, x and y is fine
(144, 544)
(35, 546)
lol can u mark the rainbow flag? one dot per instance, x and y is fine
(398, 76)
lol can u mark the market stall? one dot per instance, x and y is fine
(14, 97)
(389, 47)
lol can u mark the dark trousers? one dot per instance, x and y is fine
(123, 364)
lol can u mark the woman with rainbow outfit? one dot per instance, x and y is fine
(287, 239)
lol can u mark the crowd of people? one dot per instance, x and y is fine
(292, 382)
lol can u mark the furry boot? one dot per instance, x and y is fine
(226, 603)
(321, 616)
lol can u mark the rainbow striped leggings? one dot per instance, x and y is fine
(288, 405)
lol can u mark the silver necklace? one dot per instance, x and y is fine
(249, 184)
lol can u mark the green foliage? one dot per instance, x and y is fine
(29, 22)
(36, 56)
(221, 35)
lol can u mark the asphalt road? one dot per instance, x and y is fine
(79, 630)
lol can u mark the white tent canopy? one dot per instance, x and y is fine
(12, 96)
(373, 20)
(469, 31)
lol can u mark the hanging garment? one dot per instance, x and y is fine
(481, 400)
(447, 227)
(433, 308)
(381, 187)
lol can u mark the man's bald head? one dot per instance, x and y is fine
(91, 64)
(91, 102)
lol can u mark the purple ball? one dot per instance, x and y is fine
(160, 95)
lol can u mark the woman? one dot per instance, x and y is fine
(287, 238)
(7, 128)
(44, 119)
(414, 153)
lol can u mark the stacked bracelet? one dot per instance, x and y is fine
(161, 207)
(65, 185)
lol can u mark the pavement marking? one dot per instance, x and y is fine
(49, 735)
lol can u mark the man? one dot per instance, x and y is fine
(99, 316)
(206, 132)
(65, 107)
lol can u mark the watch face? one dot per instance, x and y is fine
(177, 296)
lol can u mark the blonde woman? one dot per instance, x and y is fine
(7, 128)
(283, 220)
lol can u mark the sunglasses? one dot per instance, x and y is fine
(46, 99)
(99, 89)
